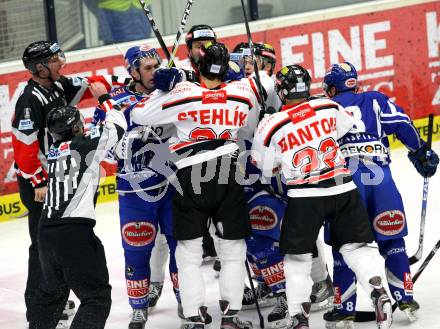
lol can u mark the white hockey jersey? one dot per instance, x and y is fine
(302, 140)
(269, 92)
(207, 121)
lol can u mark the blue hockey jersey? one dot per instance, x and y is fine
(376, 117)
(138, 147)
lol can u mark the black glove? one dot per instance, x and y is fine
(425, 162)
(166, 79)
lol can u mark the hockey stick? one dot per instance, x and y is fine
(186, 12)
(251, 47)
(260, 316)
(150, 18)
(418, 255)
(365, 316)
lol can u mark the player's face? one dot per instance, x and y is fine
(330, 92)
(248, 66)
(53, 67)
(194, 52)
(55, 64)
(146, 71)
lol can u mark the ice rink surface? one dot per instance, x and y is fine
(14, 241)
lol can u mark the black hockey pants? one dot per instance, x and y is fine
(72, 257)
(27, 195)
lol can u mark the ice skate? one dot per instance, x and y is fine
(139, 318)
(301, 320)
(230, 319)
(154, 294)
(322, 295)
(279, 317)
(410, 309)
(265, 297)
(381, 303)
(201, 321)
(334, 319)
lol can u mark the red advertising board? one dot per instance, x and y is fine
(396, 51)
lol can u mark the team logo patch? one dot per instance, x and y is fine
(137, 288)
(263, 218)
(138, 234)
(389, 222)
(407, 284)
(350, 83)
(95, 132)
(26, 124)
(215, 96)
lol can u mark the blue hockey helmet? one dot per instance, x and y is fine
(341, 76)
(135, 54)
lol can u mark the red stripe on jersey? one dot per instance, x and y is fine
(318, 178)
(274, 130)
(254, 89)
(325, 106)
(26, 158)
(182, 101)
(241, 99)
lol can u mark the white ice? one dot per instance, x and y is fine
(14, 242)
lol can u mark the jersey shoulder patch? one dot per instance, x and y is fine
(95, 132)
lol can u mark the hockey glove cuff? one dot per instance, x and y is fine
(424, 161)
(166, 79)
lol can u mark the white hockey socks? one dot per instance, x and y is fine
(159, 259)
(363, 262)
(232, 254)
(192, 288)
(319, 268)
(297, 270)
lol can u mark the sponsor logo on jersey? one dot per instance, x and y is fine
(368, 149)
(137, 288)
(337, 297)
(263, 218)
(138, 234)
(61, 151)
(274, 274)
(215, 96)
(302, 113)
(407, 284)
(389, 222)
(26, 124)
(175, 280)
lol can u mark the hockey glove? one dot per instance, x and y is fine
(235, 72)
(166, 79)
(98, 116)
(425, 164)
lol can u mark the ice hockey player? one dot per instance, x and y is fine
(266, 212)
(71, 256)
(145, 196)
(265, 58)
(208, 118)
(47, 89)
(197, 36)
(302, 140)
(366, 150)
